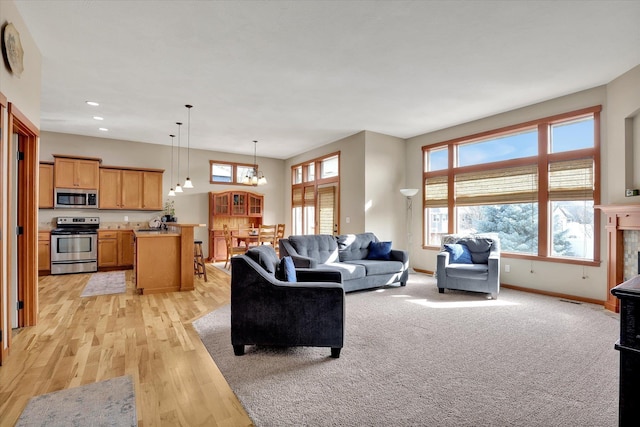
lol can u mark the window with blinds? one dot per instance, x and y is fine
(535, 184)
(315, 195)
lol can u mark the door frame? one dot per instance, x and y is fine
(27, 211)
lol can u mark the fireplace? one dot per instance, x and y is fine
(623, 222)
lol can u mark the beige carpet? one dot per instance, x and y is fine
(414, 357)
(105, 403)
(112, 282)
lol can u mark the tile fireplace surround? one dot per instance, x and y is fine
(623, 224)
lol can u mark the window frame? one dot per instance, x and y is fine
(542, 161)
(305, 194)
(234, 172)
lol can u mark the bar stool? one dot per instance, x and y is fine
(199, 267)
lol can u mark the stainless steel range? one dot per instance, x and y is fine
(74, 245)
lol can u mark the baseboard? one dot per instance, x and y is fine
(536, 291)
(554, 294)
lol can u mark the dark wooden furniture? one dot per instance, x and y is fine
(628, 294)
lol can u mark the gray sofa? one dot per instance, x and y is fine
(347, 253)
(478, 270)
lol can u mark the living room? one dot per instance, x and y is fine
(364, 153)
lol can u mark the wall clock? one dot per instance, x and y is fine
(12, 49)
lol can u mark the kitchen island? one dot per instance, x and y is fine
(163, 259)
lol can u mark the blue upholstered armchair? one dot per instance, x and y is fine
(268, 311)
(470, 263)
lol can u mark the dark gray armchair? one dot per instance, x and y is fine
(477, 270)
(268, 311)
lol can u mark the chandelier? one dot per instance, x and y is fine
(254, 176)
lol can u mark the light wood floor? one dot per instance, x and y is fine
(150, 337)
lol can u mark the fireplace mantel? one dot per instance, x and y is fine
(619, 218)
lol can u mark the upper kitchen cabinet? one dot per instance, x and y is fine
(45, 186)
(76, 172)
(130, 189)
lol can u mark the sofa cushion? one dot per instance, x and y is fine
(480, 247)
(458, 253)
(374, 267)
(355, 246)
(265, 256)
(468, 271)
(321, 247)
(286, 270)
(379, 250)
(349, 271)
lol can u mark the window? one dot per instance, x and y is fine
(228, 172)
(314, 195)
(534, 184)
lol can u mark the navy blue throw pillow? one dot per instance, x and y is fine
(458, 253)
(379, 250)
(287, 270)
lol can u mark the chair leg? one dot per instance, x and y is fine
(335, 352)
(238, 350)
(198, 260)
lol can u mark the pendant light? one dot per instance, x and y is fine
(187, 182)
(171, 192)
(254, 176)
(178, 188)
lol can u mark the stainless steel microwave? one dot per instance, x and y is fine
(76, 198)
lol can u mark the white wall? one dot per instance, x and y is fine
(623, 102)
(385, 209)
(352, 180)
(192, 206)
(587, 282)
(24, 93)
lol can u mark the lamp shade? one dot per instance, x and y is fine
(409, 192)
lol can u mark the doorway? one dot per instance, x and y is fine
(19, 298)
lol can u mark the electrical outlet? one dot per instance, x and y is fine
(126, 218)
(507, 268)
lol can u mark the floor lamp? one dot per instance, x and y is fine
(409, 193)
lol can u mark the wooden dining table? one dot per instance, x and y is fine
(244, 237)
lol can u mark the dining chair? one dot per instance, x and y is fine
(244, 230)
(267, 235)
(232, 250)
(279, 235)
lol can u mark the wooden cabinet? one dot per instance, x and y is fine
(130, 189)
(125, 248)
(44, 251)
(152, 190)
(45, 186)
(254, 207)
(107, 248)
(76, 172)
(234, 208)
(115, 248)
(239, 204)
(158, 263)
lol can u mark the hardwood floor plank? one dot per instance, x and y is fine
(80, 340)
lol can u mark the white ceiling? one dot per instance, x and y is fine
(296, 75)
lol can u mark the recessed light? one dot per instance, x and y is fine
(98, 118)
(92, 103)
(103, 129)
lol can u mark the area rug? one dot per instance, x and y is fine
(105, 403)
(414, 357)
(220, 266)
(112, 282)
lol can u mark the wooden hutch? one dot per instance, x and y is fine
(234, 208)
